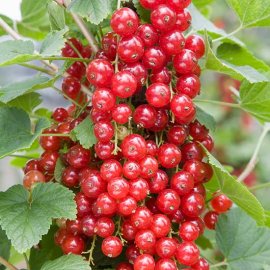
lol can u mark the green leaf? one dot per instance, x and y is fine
(26, 102)
(53, 43)
(16, 51)
(16, 131)
(35, 20)
(242, 242)
(9, 22)
(5, 247)
(25, 217)
(251, 13)
(204, 243)
(13, 90)
(238, 72)
(236, 191)
(58, 171)
(42, 112)
(201, 24)
(94, 11)
(56, 16)
(255, 99)
(47, 250)
(205, 118)
(143, 13)
(240, 56)
(84, 133)
(67, 262)
(202, 3)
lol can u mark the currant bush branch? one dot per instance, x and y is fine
(253, 161)
(7, 264)
(228, 35)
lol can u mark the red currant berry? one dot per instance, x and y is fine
(109, 45)
(183, 20)
(124, 22)
(130, 49)
(104, 150)
(118, 188)
(177, 135)
(99, 73)
(74, 226)
(33, 177)
(166, 247)
(158, 182)
(128, 230)
(103, 100)
(48, 161)
(145, 240)
(192, 205)
(165, 264)
(138, 189)
(50, 143)
(68, 50)
(97, 115)
(208, 143)
(104, 227)
(134, 147)
(86, 52)
(145, 116)
(139, 71)
(104, 131)
(182, 105)
(121, 113)
(131, 169)
(149, 167)
(187, 253)
(124, 266)
(158, 95)
(188, 85)
(192, 150)
(83, 204)
(188, 231)
(142, 218)
(112, 246)
(110, 169)
(154, 58)
(73, 244)
(168, 201)
(70, 177)
(127, 206)
(148, 34)
(77, 70)
(106, 205)
(151, 4)
(201, 264)
(200, 189)
(169, 155)
(197, 169)
(60, 115)
(60, 236)
(182, 182)
(197, 131)
(161, 76)
(71, 87)
(196, 44)
(210, 220)
(185, 62)
(178, 4)
(78, 157)
(160, 225)
(124, 84)
(221, 203)
(163, 18)
(151, 205)
(32, 164)
(144, 262)
(162, 120)
(151, 148)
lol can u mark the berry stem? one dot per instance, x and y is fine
(43, 70)
(21, 156)
(219, 264)
(252, 163)
(26, 261)
(115, 140)
(54, 135)
(91, 259)
(75, 59)
(7, 264)
(220, 103)
(228, 35)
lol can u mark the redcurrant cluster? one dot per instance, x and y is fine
(141, 186)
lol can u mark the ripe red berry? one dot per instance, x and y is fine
(158, 182)
(178, 4)
(166, 247)
(221, 203)
(145, 116)
(162, 120)
(128, 230)
(177, 135)
(121, 113)
(104, 150)
(118, 188)
(145, 240)
(142, 218)
(106, 205)
(127, 206)
(165, 264)
(110, 169)
(160, 225)
(169, 155)
(104, 227)
(68, 51)
(138, 189)
(182, 182)
(201, 264)
(187, 253)
(71, 87)
(130, 49)
(182, 105)
(168, 201)
(103, 100)
(210, 219)
(188, 85)
(134, 147)
(70, 177)
(33, 177)
(48, 161)
(188, 231)
(124, 22)
(192, 205)
(144, 262)
(154, 58)
(124, 84)
(148, 34)
(185, 62)
(78, 157)
(73, 244)
(74, 226)
(196, 44)
(161, 76)
(77, 70)
(151, 4)
(151, 148)
(158, 95)
(197, 131)
(131, 169)
(163, 18)
(124, 266)
(183, 20)
(192, 151)
(104, 131)
(149, 167)
(99, 73)
(112, 246)
(109, 45)
(60, 114)
(197, 169)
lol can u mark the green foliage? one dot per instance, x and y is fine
(205, 118)
(56, 16)
(46, 250)
(8, 21)
(67, 262)
(229, 186)
(242, 242)
(251, 13)
(94, 11)
(84, 133)
(16, 130)
(5, 247)
(58, 171)
(14, 90)
(53, 43)
(255, 99)
(27, 216)
(143, 13)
